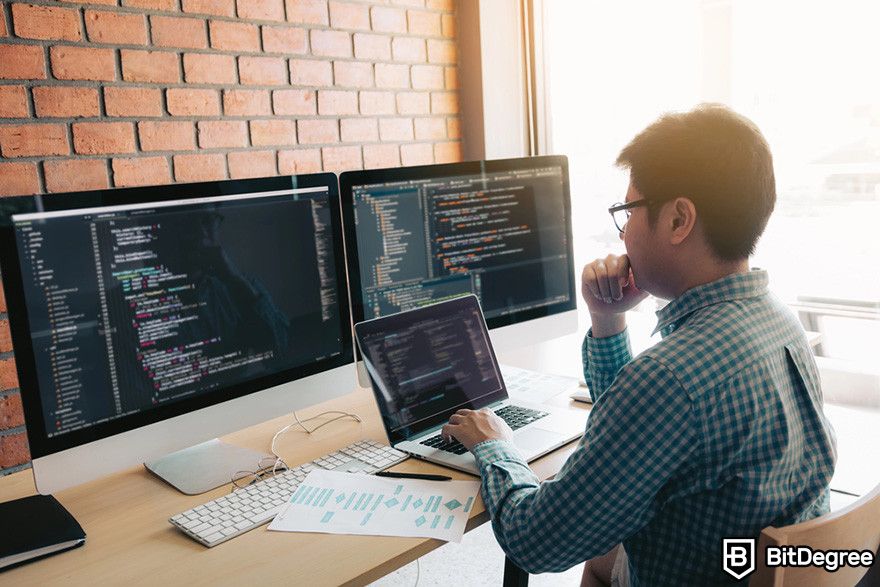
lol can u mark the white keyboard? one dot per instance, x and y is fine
(252, 506)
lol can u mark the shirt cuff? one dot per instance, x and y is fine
(610, 353)
(491, 451)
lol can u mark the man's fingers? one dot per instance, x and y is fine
(623, 270)
(588, 279)
(613, 265)
(602, 280)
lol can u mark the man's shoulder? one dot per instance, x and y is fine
(719, 342)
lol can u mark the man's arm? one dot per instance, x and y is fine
(639, 436)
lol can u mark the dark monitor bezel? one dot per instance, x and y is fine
(395, 322)
(349, 179)
(42, 445)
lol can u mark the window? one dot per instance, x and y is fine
(803, 71)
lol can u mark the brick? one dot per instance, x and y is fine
(287, 40)
(294, 102)
(430, 129)
(388, 20)
(46, 23)
(133, 101)
(200, 167)
(244, 164)
(396, 129)
(335, 102)
(441, 51)
(234, 36)
(444, 103)
(172, 31)
(215, 7)
(8, 375)
(392, 75)
(166, 136)
(82, 63)
(105, 2)
(99, 138)
(299, 161)
(246, 103)
(186, 102)
(169, 5)
(372, 47)
(330, 43)
(346, 15)
(307, 11)
(413, 103)
(223, 134)
(408, 49)
(262, 71)
(156, 67)
(377, 103)
(118, 28)
(353, 74)
(359, 130)
(339, 159)
(5, 337)
(22, 62)
(2, 295)
(200, 68)
(447, 5)
(379, 156)
(307, 72)
(447, 25)
(13, 102)
(11, 412)
(3, 31)
(417, 154)
(33, 140)
(65, 102)
(14, 450)
(451, 76)
(261, 9)
(137, 171)
(447, 152)
(427, 77)
(425, 24)
(76, 175)
(315, 132)
(18, 179)
(279, 132)
(453, 128)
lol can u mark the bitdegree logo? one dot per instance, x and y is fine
(830, 560)
(738, 557)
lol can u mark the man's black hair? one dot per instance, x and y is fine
(716, 158)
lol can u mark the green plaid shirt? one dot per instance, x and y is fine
(716, 431)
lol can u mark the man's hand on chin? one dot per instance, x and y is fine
(472, 427)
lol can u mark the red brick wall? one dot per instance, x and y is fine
(114, 93)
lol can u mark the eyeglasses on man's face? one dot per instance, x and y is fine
(620, 212)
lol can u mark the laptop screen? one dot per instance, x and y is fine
(427, 363)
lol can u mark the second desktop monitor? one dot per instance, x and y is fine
(497, 229)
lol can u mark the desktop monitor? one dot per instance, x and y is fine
(147, 320)
(498, 229)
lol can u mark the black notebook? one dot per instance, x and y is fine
(35, 527)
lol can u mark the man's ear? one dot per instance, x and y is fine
(683, 221)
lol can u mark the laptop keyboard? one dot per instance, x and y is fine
(515, 416)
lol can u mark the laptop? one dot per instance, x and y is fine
(427, 363)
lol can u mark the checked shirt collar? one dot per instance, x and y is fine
(732, 287)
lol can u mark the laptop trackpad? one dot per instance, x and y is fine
(535, 439)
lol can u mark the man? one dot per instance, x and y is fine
(716, 431)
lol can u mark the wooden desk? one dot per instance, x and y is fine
(130, 541)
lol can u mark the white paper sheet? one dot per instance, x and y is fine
(346, 503)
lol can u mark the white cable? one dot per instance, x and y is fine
(301, 424)
(418, 572)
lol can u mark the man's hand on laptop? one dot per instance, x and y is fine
(471, 427)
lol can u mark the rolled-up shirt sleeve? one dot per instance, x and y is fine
(640, 432)
(603, 358)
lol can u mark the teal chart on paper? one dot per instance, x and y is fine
(346, 503)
